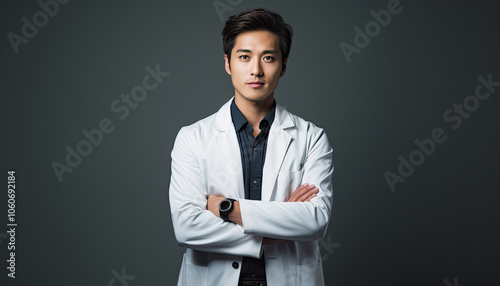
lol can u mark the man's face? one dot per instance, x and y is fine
(256, 57)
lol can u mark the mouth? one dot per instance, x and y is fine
(255, 84)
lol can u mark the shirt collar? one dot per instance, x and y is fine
(239, 119)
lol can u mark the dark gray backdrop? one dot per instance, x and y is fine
(110, 216)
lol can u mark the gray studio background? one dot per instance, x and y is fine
(111, 214)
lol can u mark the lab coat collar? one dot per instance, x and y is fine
(223, 119)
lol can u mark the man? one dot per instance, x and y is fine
(251, 190)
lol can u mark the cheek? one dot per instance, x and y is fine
(276, 76)
(236, 72)
(275, 71)
(236, 78)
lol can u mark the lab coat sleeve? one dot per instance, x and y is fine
(196, 227)
(299, 221)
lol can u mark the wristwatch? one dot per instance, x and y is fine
(225, 206)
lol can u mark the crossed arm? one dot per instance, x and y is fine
(304, 193)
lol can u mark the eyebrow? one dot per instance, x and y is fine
(265, 52)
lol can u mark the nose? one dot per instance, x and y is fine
(256, 68)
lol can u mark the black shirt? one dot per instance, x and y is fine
(253, 154)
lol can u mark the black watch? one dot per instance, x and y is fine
(225, 206)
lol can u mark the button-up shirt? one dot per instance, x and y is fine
(253, 154)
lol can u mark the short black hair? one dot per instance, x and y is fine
(259, 19)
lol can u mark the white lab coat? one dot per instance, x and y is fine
(206, 160)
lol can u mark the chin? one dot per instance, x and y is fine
(255, 97)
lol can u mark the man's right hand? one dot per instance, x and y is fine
(304, 193)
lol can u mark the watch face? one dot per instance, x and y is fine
(225, 205)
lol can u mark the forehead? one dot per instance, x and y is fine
(257, 41)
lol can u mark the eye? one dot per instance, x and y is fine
(269, 58)
(244, 57)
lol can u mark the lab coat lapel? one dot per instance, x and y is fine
(277, 145)
(228, 149)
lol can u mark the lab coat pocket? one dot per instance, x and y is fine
(309, 273)
(287, 183)
(195, 274)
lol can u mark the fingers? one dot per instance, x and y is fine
(307, 196)
(301, 189)
(311, 197)
(304, 193)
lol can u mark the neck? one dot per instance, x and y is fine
(254, 111)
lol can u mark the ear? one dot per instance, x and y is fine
(283, 70)
(226, 65)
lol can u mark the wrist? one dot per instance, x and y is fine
(235, 214)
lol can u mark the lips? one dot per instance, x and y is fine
(255, 84)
